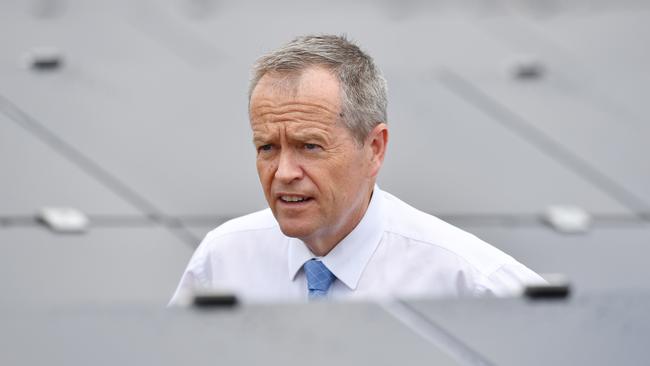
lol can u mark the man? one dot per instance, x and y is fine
(317, 110)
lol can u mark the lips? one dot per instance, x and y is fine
(291, 198)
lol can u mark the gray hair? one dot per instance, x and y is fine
(363, 88)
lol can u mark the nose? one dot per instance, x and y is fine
(288, 167)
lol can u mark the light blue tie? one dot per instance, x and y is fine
(319, 279)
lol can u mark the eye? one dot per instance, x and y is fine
(312, 147)
(267, 147)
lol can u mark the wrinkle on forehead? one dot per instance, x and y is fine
(266, 111)
(293, 131)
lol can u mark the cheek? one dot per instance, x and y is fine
(352, 176)
(265, 173)
(350, 165)
(342, 175)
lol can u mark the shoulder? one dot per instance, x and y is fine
(230, 247)
(256, 221)
(240, 232)
(436, 236)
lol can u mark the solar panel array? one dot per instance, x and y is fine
(135, 113)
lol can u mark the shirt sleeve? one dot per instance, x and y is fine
(508, 280)
(196, 276)
(184, 290)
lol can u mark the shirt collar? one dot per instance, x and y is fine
(350, 256)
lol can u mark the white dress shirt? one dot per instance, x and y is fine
(395, 251)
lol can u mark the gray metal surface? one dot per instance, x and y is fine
(596, 330)
(200, 230)
(612, 46)
(318, 334)
(147, 118)
(447, 156)
(203, 140)
(107, 265)
(34, 176)
(591, 101)
(145, 129)
(600, 147)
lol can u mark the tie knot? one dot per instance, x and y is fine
(319, 278)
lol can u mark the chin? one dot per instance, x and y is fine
(294, 229)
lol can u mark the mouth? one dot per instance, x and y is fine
(291, 199)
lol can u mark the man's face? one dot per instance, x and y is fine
(316, 178)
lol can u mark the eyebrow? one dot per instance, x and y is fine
(263, 136)
(304, 135)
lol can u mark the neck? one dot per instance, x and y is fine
(322, 243)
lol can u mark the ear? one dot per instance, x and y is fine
(376, 142)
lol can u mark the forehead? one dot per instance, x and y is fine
(314, 90)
